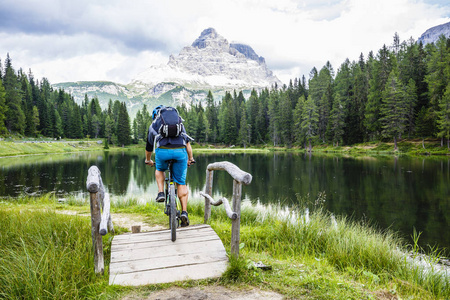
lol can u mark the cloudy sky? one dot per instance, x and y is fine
(116, 39)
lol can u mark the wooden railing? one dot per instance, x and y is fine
(234, 213)
(100, 222)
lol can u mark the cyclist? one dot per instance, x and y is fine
(166, 148)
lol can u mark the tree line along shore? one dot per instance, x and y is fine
(400, 92)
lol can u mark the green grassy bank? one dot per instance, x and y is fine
(48, 255)
(11, 147)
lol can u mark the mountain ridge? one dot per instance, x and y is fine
(210, 63)
(432, 34)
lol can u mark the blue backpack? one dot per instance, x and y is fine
(171, 122)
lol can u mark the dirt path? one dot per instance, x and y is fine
(206, 292)
(122, 220)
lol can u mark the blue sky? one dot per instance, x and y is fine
(116, 39)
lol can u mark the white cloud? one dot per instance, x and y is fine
(114, 40)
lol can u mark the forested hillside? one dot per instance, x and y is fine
(32, 108)
(402, 91)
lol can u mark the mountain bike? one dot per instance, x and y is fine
(171, 202)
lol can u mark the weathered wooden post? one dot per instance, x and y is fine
(100, 223)
(93, 186)
(208, 190)
(236, 224)
(234, 214)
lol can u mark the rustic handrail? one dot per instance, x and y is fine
(240, 177)
(231, 214)
(100, 223)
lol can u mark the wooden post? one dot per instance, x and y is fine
(208, 191)
(236, 223)
(99, 264)
(95, 188)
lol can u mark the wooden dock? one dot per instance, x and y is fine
(152, 258)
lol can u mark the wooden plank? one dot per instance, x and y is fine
(165, 236)
(151, 257)
(191, 272)
(169, 249)
(163, 262)
(160, 234)
(147, 244)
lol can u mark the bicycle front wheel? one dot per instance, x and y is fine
(173, 213)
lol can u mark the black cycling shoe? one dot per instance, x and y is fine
(184, 219)
(161, 197)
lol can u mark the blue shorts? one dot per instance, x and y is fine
(179, 167)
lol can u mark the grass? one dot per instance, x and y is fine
(45, 255)
(13, 147)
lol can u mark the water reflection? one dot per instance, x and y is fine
(399, 193)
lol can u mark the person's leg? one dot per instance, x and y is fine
(160, 176)
(161, 166)
(182, 192)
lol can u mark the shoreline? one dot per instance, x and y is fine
(414, 147)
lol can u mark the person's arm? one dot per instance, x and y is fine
(189, 153)
(148, 158)
(149, 149)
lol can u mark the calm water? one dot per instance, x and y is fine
(401, 194)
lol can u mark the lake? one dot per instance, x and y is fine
(401, 193)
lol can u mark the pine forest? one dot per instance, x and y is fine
(400, 92)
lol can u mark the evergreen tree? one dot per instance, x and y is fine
(27, 105)
(411, 102)
(424, 123)
(274, 117)
(3, 109)
(146, 121)
(299, 135)
(381, 68)
(43, 99)
(228, 129)
(354, 123)
(285, 120)
(35, 121)
(438, 75)
(109, 129)
(310, 121)
(212, 118)
(321, 91)
(337, 122)
(59, 130)
(201, 125)
(15, 117)
(244, 131)
(252, 112)
(123, 126)
(394, 109)
(444, 116)
(76, 126)
(344, 91)
(262, 118)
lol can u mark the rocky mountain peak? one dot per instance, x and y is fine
(433, 34)
(211, 62)
(210, 37)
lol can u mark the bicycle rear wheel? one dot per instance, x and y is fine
(173, 213)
